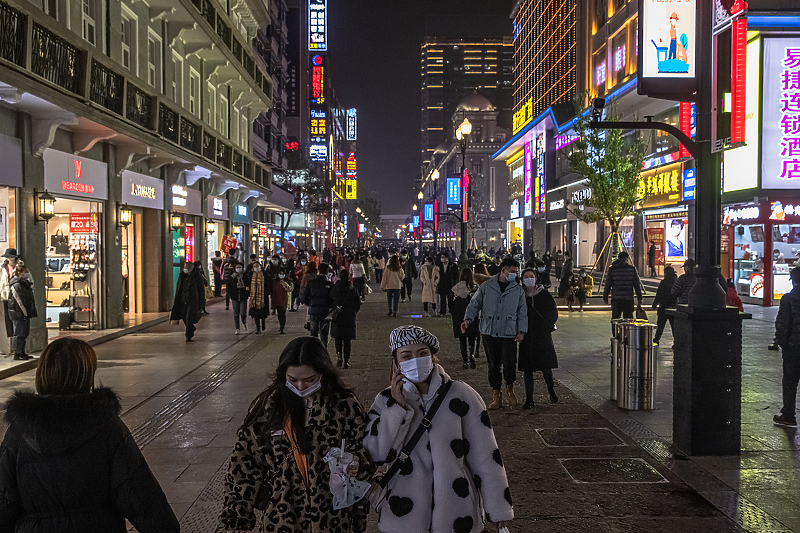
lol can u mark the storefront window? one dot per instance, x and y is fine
(748, 260)
(619, 56)
(785, 249)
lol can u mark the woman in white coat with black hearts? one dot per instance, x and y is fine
(454, 480)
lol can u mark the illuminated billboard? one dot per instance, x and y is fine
(781, 121)
(453, 191)
(740, 165)
(540, 185)
(528, 201)
(428, 212)
(667, 47)
(352, 125)
(663, 185)
(317, 79)
(318, 152)
(317, 25)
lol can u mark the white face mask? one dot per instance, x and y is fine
(274, 261)
(238, 269)
(257, 268)
(281, 276)
(540, 269)
(185, 270)
(512, 276)
(302, 262)
(529, 282)
(418, 369)
(307, 391)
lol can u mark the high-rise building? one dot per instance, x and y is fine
(455, 68)
(545, 48)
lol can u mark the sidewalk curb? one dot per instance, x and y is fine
(30, 365)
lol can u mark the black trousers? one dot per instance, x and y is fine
(282, 317)
(548, 379)
(406, 286)
(343, 348)
(791, 377)
(621, 308)
(663, 318)
(379, 274)
(468, 342)
(444, 301)
(501, 358)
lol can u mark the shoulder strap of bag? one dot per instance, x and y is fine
(424, 425)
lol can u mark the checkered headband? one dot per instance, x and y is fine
(405, 335)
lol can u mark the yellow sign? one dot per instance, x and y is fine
(351, 188)
(523, 116)
(662, 185)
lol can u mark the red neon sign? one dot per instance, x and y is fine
(318, 84)
(685, 125)
(465, 199)
(77, 187)
(78, 169)
(435, 215)
(738, 78)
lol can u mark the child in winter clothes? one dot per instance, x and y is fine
(453, 479)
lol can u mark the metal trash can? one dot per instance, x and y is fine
(637, 364)
(616, 350)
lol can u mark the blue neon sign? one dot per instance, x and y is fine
(453, 191)
(416, 221)
(428, 212)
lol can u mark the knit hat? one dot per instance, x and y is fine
(405, 335)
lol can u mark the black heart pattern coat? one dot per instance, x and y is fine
(454, 479)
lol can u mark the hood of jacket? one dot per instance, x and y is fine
(55, 424)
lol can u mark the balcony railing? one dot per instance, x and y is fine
(190, 135)
(236, 165)
(224, 155)
(12, 34)
(209, 147)
(168, 123)
(139, 107)
(54, 59)
(224, 32)
(106, 88)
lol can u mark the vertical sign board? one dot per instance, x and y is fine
(527, 190)
(465, 206)
(667, 48)
(352, 176)
(352, 124)
(318, 125)
(740, 165)
(428, 212)
(780, 138)
(416, 221)
(293, 48)
(317, 25)
(540, 185)
(453, 191)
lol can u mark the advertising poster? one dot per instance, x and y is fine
(657, 236)
(676, 229)
(668, 38)
(84, 223)
(228, 244)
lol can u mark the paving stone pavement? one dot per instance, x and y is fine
(576, 465)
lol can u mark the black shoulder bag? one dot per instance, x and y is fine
(425, 424)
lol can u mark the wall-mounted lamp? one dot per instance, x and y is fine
(255, 232)
(237, 230)
(176, 221)
(124, 215)
(210, 227)
(45, 206)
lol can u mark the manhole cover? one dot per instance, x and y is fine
(577, 437)
(633, 470)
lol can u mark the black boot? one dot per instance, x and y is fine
(553, 395)
(347, 363)
(528, 403)
(339, 360)
(472, 364)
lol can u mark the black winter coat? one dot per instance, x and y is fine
(344, 327)
(21, 302)
(622, 282)
(683, 286)
(458, 311)
(68, 464)
(317, 296)
(787, 323)
(236, 293)
(664, 298)
(536, 351)
(447, 277)
(189, 293)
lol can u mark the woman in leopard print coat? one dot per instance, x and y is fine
(307, 394)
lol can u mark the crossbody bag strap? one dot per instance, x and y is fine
(424, 425)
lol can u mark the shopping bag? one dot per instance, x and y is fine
(346, 490)
(641, 314)
(209, 293)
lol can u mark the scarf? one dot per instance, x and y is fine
(257, 300)
(239, 277)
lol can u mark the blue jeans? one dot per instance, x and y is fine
(239, 310)
(22, 326)
(673, 49)
(791, 376)
(319, 328)
(393, 299)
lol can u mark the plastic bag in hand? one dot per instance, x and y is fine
(346, 490)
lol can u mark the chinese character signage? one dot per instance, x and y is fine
(662, 185)
(317, 79)
(416, 221)
(781, 127)
(352, 176)
(428, 212)
(528, 201)
(352, 125)
(540, 184)
(318, 152)
(317, 25)
(689, 183)
(524, 116)
(667, 47)
(453, 191)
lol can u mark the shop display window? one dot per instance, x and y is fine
(785, 252)
(748, 260)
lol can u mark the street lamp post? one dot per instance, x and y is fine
(462, 134)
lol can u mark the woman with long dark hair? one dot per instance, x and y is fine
(469, 340)
(343, 328)
(279, 457)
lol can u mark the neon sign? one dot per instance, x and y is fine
(317, 80)
(540, 186)
(528, 204)
(523, 116)
(352, 125)
(317, 25)
(781, 128)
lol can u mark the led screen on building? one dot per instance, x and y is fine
(317, 25)
(668, 38)
(740, 165)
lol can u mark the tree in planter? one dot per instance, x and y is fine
(612, 165)
(311, 192)
(371, 209)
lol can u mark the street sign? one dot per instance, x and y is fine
(428, 212)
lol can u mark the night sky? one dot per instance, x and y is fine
(375, 57)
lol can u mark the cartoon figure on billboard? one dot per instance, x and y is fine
(673, 59)
(670, 26)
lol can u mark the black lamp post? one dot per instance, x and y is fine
(462, 134)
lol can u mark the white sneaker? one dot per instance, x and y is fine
(237, 332)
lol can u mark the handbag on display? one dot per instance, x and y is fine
(48, 281)
(60, 242)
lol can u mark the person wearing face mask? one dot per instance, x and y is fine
(260, 290)
(378, 264)
(429, 276)
(448, 277)
(278, 462)
(409, 273)
(282, 287)
(239, 289)
(468, 340)
(504, 321)
(453, 478)
(537, 353)
(189, 292)
(494, 267)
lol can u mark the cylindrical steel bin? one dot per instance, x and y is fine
(616, 352)
(637, 378)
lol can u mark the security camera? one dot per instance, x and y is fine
(597, 108)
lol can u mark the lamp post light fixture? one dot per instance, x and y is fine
(462, 134)
(420, 196)
(414, 208)
(237, 230)
(45, 206)
(175, 221)
(210, 227)
(124, 215)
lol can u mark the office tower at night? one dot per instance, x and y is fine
(545, 46)
(455, 68)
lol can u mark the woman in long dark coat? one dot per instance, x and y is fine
(343, 329)
(189, 293)
(536, 351)
(470, 339)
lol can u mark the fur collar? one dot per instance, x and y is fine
(55, 423)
